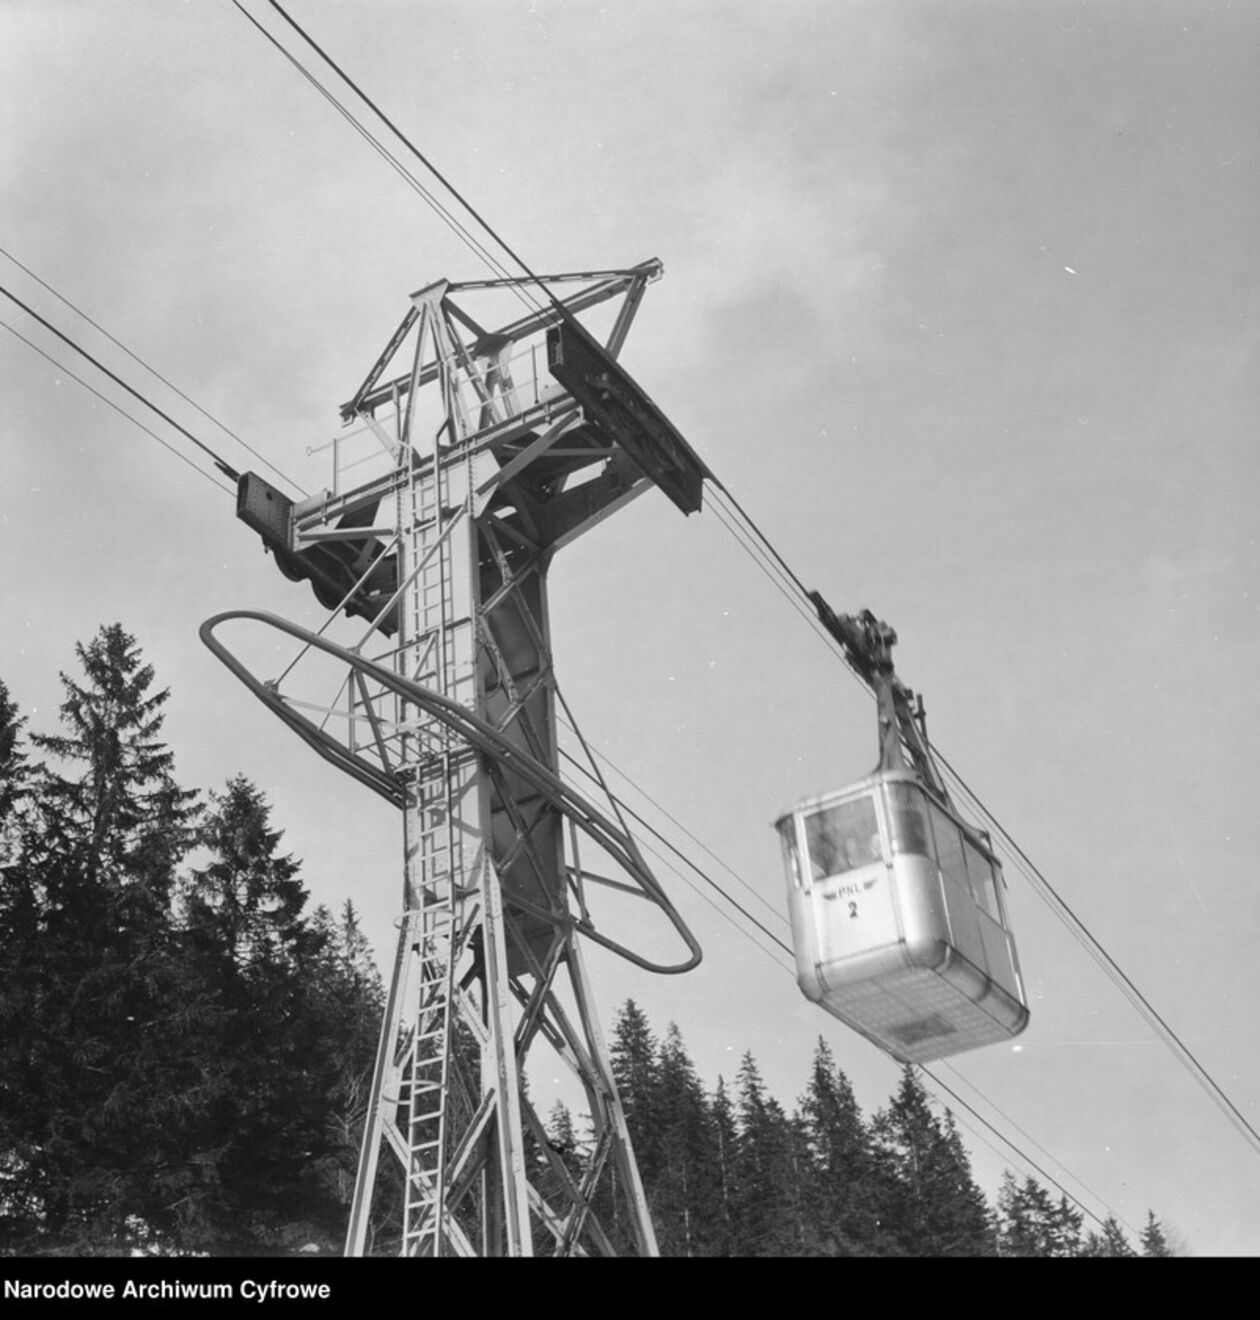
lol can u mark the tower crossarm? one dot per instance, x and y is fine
(600, 286)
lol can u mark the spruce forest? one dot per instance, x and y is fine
(186, 1047)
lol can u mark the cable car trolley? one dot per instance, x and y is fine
(896, 903)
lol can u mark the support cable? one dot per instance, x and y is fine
(220, 463)
(1060, 907)
(735, 903)
(594, 773)
(1029, 1137)
(677, 824)
(135, 357)
(1027, 1159)
(682, 878)
(755, 545)
(183, 458)
(417, 153)
(746, 519)
(767, 566)
(443, 213)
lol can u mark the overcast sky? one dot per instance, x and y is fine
(960, 303)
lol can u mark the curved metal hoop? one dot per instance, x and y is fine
(477, 733)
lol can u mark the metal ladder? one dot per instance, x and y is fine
(434, 866)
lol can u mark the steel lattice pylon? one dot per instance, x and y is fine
(529, 436)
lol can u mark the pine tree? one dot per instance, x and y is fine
(272, 990)
(636, 1071)
(246, 904)
(1017, 1227)
(1154, 1242)
(562, 1165)
(561, 1132)
(1110, 1242)
(335, 1012)
(841, 1193)
(1030, 1223)
(345, 984)
(193, 1085)
(726, 1141)
(767, 1214)
(934, 1206)
(92, 1048)
(14, 772)
(1065, 1233)
(685, 1195)
(633, 1057)
(122, 822)
(19, 921)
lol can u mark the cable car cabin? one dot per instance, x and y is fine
(898, 920)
